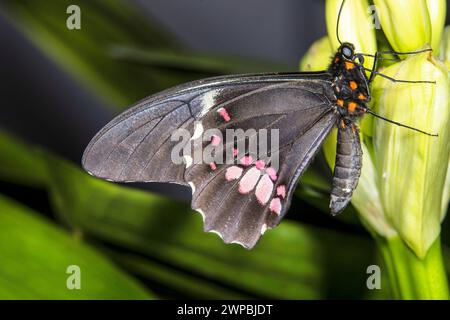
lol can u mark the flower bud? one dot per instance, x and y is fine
(436, 11)
(444, 54)
(444, 51)
(318, 56)
(412, 166)
(406, 23)
(366, 197)
(355, 26)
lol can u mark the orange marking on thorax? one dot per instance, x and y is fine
(349, 65)
(352, 106)
(342, 124)
(353, 85)
(340, 102)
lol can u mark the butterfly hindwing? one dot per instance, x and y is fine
(240, 200)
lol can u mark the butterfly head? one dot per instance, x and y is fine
(347, 51)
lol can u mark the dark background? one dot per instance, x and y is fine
(33, 88)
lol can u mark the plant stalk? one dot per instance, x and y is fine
(411, 277)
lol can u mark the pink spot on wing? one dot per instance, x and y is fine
(264, 189)
(260, 164)
(215, 140)
(233, 173)
(213, 166)
(224, 114)
(246, 160)
(272, 173)
(235, 152)
(249, 180)
(281, 191)
(275, 205)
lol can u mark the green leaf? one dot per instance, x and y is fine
(172, 277)
(21, 163)
(85, 53)
(292, 261)
(35, 255)
(162, 240)
(190, 61)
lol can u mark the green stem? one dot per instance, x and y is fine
(411, 277)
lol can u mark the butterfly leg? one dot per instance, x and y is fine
(377, 57)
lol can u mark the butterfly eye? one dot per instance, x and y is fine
(347, 52)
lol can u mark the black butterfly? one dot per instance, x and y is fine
(240, 200)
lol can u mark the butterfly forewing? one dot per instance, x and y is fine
(136, 146)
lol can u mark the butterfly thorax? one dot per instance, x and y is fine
(350, 84)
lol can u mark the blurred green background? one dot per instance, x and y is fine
(60, 86)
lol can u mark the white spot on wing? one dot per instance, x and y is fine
(202, 214)
(239, 243)
(191, 184)
(90, 173)
(188, 160)
(216, 232)
(208, 101)
(263, 228)
(198, 131)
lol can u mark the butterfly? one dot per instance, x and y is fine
(241, 198)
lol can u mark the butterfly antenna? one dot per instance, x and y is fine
(338, 20)
(400, 124)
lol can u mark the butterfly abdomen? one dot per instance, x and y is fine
(347, 168)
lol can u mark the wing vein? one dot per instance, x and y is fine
(146, 136)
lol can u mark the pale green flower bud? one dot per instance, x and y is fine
(446, 194)
(412, 167)
(356, 26)
(437, 12)
(444, 54)
(366, 198)
(388, 203)
(406, 23)
(318, 57)
(444, 51)
(404, 188)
